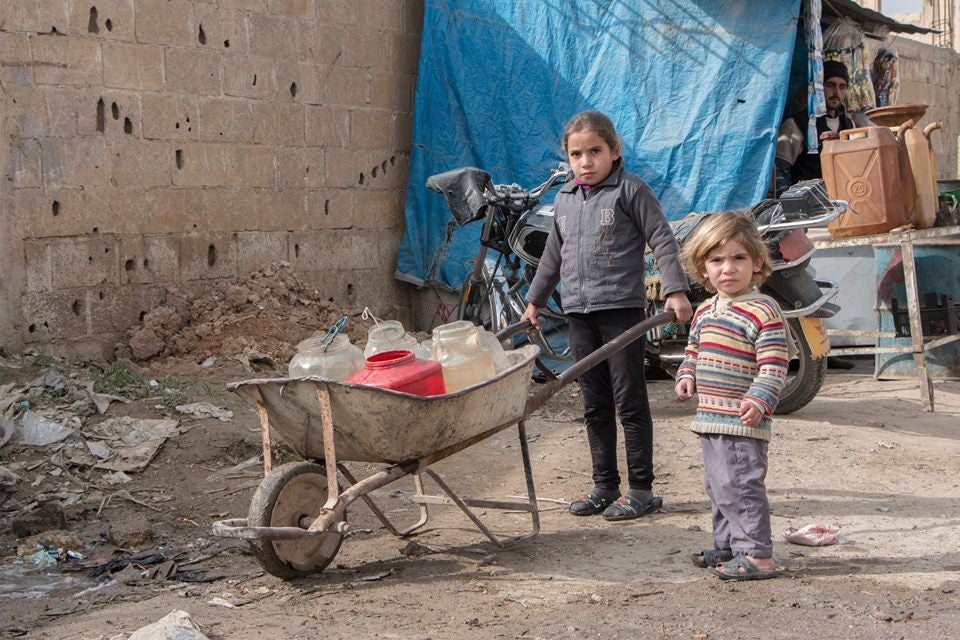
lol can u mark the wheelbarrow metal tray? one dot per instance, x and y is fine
(380, 425)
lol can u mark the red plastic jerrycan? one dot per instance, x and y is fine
(400, 370)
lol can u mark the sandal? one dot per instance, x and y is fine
(591, 504)
(731, 570)
(711, 557)
(626, 508)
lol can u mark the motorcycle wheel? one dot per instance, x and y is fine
(803, 384)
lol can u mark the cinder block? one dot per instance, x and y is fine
(391, 91)
(50, 212)
(258, 6)
(230, 209)
(77, 162)
(206, 256)
(331, 209)
(354, 289)
(296, 9)
(299, 82)
(348, 86)
(283, 210)
(377, 209)
(141, 163)
(17, 68)
(34, 16)
(371, 129)
(301, 168)
(339, 12)
(278, 124)
(367, 47)
(201, 164)
(322, 42)
(274, 37)
(167, 117)
(110, 112)
(167, 22)
(249, 77)
(321, 250)
(253, 166)
(84, 261)
(23, 164)
(327, 126)
(66, 60)
(36, 255)
(116, 309)
(223, 28)
(56, 315)
(256, 250)
(353, 169)
(225, 120)
(166, 210)
(150, 259)
(107, 19)
(133, 66)
(377, 247)
(413, 17)
(192, 71)
(405, 53)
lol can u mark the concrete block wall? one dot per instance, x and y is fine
(931, 75)
(148, 144)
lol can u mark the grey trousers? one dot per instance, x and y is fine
(734, 470)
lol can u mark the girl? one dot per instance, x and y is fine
(603, 220)
(736, 361)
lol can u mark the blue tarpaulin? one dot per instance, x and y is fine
(696, 90)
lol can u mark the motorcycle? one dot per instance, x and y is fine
(516, 227)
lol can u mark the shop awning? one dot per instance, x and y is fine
(871, 21)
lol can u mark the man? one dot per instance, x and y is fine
(794, 161)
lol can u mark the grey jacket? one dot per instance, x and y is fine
(597, 244)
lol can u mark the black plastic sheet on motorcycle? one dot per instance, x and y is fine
(696, 90)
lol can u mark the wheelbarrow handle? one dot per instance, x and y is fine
(577, 369)
(511, 330)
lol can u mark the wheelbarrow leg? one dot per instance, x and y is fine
(530, 506)
(381, 516)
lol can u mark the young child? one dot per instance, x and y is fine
(603, 220)
(736, 362)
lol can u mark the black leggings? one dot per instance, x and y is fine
(615, 385)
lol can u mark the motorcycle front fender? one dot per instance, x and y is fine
(815, 331)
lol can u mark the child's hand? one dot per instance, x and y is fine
(530, 313)
(750, 415)
(685, 388)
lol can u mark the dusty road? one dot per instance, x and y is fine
(863, 456)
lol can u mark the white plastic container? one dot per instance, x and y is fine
(465, 359)
(341, 360)
(390, 335)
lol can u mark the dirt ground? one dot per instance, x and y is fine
(863, 457)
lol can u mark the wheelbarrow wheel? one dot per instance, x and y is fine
(292, 495)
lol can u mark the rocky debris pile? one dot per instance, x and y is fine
(268, 312)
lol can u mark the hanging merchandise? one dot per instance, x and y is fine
(843, 41)
(886, 75)
(816, 103)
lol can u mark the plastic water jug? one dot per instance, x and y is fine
(340, 361)
(466, 361)
(389, 335)
(870, 169)
(401, 370)
(923, 167)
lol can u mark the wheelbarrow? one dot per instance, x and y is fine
(297, 517)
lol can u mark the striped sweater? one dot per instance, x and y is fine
(737, 352)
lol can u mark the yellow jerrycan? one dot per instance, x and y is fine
(923, 166)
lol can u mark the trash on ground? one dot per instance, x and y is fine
(132, 442)
(202, 410)
(39, 431)
(815, 535)
(176, 625)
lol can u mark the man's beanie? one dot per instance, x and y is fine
(835, 69)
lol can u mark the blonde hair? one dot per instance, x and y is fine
(594, 121)
(714, 232)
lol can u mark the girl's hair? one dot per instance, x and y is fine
(714, 232)
(594, 121)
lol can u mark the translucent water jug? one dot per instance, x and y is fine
(465, 359)
(340, 360)
(389, 335)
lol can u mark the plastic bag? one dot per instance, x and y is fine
(843, 41)
(886, 74)
(814, 535)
